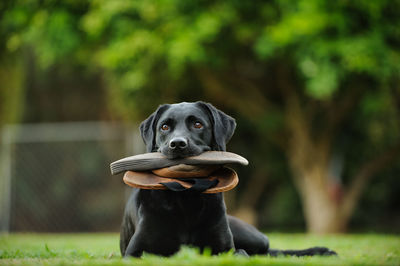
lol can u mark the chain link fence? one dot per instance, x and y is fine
(56, 177)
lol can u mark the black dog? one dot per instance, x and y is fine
(160, 221)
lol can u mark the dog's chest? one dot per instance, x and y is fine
(187, 210)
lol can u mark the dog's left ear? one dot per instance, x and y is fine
(223, 126)
(148, 128)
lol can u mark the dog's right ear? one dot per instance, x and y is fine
(223, 126)
(148, 128)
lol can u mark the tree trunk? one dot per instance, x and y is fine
(327, 209)
(309, 161)
(322, 213)
(310, 172)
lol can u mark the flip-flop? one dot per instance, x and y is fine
(156, 160)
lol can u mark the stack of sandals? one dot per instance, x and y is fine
(206, 173)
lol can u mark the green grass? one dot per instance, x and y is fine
(90, 249)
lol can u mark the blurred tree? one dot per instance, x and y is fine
(318, 80)
(324, 74)
(11, 76)
(51, 57)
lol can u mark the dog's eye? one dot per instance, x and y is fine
(198, 125)
(165, 127)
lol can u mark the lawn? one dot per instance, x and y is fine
(91, 249)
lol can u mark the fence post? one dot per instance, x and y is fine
(5, 178)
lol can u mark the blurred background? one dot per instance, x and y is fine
(314, 87)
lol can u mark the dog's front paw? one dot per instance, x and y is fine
(241, 252)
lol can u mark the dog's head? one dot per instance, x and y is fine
(187, 129)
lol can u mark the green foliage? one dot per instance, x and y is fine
(51, 30)
(328, 41)
(100, 249)
(147, 44)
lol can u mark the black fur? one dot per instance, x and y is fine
(160, 221)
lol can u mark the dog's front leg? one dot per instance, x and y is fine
(135, 248)
(218, 237)
(152, 240)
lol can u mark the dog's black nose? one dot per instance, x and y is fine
(179, 143)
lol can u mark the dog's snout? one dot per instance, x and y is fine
(178, 143)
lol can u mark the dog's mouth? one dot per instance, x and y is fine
(183, 153)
